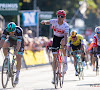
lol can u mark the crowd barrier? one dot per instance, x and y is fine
(30, 58)
(35, 58)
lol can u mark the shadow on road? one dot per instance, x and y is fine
(70, 80)
(90, 76)
(91, 85)
(48, 89)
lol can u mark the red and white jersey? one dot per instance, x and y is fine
(96, 40)
(59, 30)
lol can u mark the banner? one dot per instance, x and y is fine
(29, 18)
(9, 7)
(36, 58)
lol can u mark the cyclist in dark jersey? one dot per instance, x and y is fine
(13, 37)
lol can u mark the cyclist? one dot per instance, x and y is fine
(75, 42)
(96, 40)
(61, 29)
(13, 35)
(90, 50)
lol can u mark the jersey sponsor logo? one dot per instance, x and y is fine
(58, 30)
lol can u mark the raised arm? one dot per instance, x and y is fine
(45, 22)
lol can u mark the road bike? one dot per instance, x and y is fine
(8, 69)
(58, 67)
(79, 64)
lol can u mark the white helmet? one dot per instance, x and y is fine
(97, 29)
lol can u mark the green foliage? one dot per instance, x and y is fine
(91, 3)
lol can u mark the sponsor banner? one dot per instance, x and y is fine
(29, 18)
(9, 7)
(36, 58)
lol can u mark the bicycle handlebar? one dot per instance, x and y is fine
(52, 48)
(76, 52)
(95, 52)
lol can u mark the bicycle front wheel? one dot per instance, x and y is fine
(13, 71)
(5, 73)
(56, 73)
(80, 70)
(97, 67)
(61, 73)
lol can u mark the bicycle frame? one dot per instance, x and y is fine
(79, 63)
(58, 73)
(9, 67)
(59, 57)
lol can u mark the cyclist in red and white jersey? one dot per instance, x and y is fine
(61, 30)
(96, 40)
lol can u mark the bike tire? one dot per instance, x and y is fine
(56, 74)
(13, 71)
(97, 68)
(81, 71)
(78, 70)
(62, 73)
(5, 73)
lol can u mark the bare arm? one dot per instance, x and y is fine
(18, 45)
(1, 42)
(66, 38)
(95, 49)
(45, 22)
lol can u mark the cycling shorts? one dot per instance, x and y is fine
(56, 42)
(14, 43)
(75, 47)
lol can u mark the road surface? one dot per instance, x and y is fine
(40, 77)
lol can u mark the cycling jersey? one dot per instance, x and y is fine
(77, 42)
(59, 30)
(12, 40)
(90, 46)
(18, 35)
(96, 40)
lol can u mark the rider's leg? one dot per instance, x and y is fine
(64, 53)
(83, 59)
(53, 64)
(54, 58)
(93, 62)
(5, 45)
(75, 65)
(18, 66)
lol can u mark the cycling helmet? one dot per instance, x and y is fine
(73, 33)
(97, 29)
(61, 12)
(11, 27)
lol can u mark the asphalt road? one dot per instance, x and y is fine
(40, 77)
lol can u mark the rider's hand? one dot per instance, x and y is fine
(95, 55)
(43, 22)
(68, 54)
(16, 53)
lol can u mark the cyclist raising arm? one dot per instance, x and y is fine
(61, 29)
(15, 38)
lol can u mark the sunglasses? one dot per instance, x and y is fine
(98, 32)
(74, 37)
(11, 32)
(60, 16)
